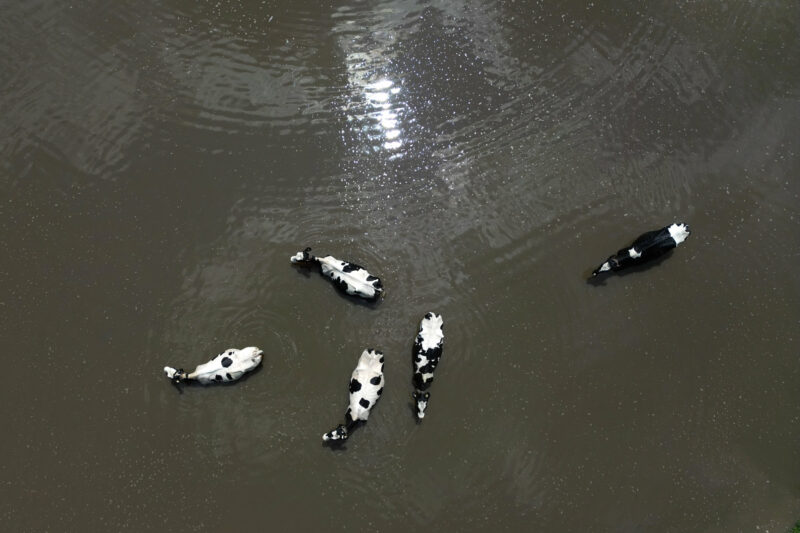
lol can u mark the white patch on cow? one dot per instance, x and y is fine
(679, 232)
(296, 258)
(430, 331)
(215, 371)
(605, 267)
(634, 254)
(368, 369)
(356, 282)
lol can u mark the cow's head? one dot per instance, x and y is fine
(338, 434)
(421, 399)
(175, 374)
(303, 256)
(610, 264)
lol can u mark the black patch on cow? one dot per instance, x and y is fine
(230, 353)
(428, 316)
(380, 391)
(376, 380)
(430, 366)
(348, 418)
(355, 386)
(420, 382)
(371, 278)
(352, 267)
(229, 376)
(363, 402)
(218, 377)
(227, 361)
(427, 369)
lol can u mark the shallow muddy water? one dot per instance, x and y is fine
(160, 161)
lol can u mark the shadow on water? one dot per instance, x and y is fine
(335, 445)
(305, 270)
(180, 385)
(600, 279)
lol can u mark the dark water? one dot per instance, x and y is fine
(160, 162)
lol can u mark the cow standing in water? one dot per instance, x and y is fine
(351, 278)
(646, 247)
(366, 387)
(228, 366)
(427, 352)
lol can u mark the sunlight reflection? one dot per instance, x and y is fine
(383, 111)
(379, 94)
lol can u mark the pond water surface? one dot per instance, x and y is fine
(160, 161)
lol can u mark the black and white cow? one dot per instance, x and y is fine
(351, 278)
(646, 247)
(427, 352)
(228, 366)
(366, 387)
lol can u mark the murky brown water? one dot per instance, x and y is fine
(160, 162)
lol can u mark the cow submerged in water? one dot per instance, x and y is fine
(427, 352)
(646, 247)
(351, 278)
(366, 387)
(228, 366)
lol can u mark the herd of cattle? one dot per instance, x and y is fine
(367, 381)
